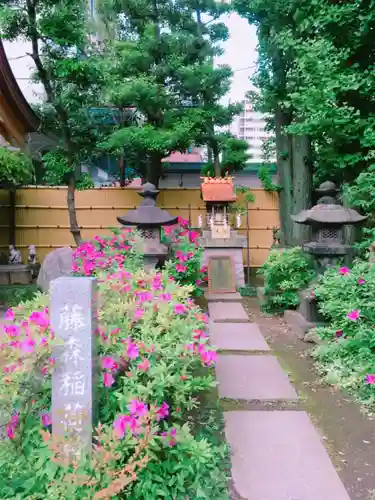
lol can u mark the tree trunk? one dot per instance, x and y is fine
(74, 227)
(154, 169)
(302, 185)
(122, 171)
(285, 174)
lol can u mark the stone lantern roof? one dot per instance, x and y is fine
(148, 215)
(218, 189)
(324, 214)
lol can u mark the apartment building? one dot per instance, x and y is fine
(251, 127)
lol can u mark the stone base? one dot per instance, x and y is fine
(223, 297)
(15, 274)
(299, 323)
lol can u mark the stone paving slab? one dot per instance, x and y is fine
(278, 455)
(253, 377)
(238, 337)
(227, 311)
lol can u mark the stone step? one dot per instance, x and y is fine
(237, 337)
(223, 297)
(278, 455)
(227, 311)
(253, 378)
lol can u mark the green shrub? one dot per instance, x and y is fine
(347, 357)
(285, 272)
(155, 360)
(12, 295)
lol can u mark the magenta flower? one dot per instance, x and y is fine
(353, 315)
(27, 345)
(108, 379)
(139, 313)
(144, 296)
(200, 334)
(370, 379)
(132, 350)
(361, 281)
(165, 297)
(122, 423)
(180, 309)
(39, 319)
(183, 222)
(11, 426)
(109, 363)
(10, 315)
(137, 408)
(11, 330)
(180, 268)
(46, 419)
(198, 282)
(156, 283)
(171, 435)
(344, 270)
(162, 411)
(144, 365)
(339, 333)
(208, 358)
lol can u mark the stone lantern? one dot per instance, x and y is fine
(327, 220)
(148, 219)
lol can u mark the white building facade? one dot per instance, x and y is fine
(251, 127)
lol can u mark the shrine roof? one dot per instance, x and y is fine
(218, 189)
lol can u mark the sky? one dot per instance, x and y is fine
(240, 52)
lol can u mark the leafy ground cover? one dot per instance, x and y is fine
(347, 357)
(155, 366)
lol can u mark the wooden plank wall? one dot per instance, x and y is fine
(42, 218)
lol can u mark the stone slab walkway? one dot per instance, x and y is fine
(276, 455)
(253, 377)
(238, 337)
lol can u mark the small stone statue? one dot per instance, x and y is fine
(14, 255)
(32, 258)
(276, 235)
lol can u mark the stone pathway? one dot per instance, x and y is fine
(276, 453)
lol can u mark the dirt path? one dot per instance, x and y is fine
(348, 434)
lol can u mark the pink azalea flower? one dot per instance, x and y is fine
(208, 358)
(156, 283)
(180, 268)
(122, 423)
(11, 426)
(46, 419)
(370, 379)
(109, 363)
(353, 315)
(10, 315)
(144, 296)
(344, 270)
(339, 333)
(165, 297)
(11, 330)
(183, 222)
(139, 313)
(180, 309)
(108, 379)
(132, 350)
(144, 365)
(361, 281)
(200, 334)
(198, 282)
(162, 412)
(137, 408)
(39, 319)
(27, 345)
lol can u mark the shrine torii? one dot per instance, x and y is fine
(17, 119)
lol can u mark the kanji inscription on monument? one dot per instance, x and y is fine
(221, 277)
(73, 310)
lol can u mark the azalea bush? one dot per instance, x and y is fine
(154, 361)
(347, 357)
(185, 256)
(285, 273)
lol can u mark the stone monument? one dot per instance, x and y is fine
(73, 310)
(148, 218)
(327, 220)
(222, 245)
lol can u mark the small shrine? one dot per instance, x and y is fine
(223, 246)
(148, 219)
(327, 220)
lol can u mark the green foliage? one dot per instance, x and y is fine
(347, 355)
(248, 291)
(266, 179)
(15, 168)
(153, 349)
(285, 273)
(12, 295)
